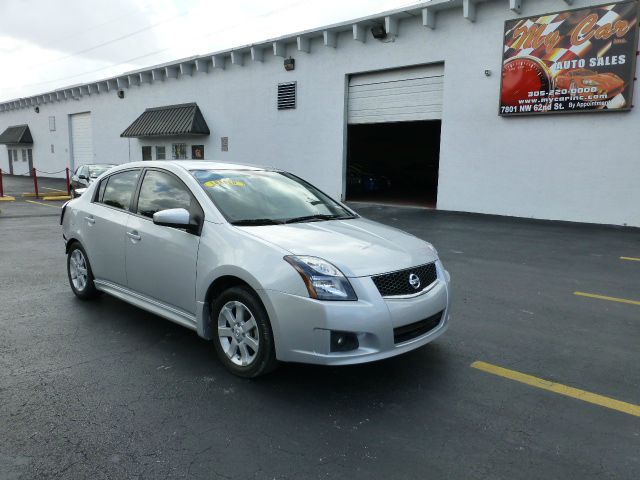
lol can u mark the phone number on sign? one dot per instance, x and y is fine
(564, 91)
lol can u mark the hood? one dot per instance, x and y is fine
(358, 247)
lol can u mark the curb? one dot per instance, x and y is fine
(7, 198)
(57, 197)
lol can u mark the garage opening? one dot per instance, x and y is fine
(394, 163)
(393, 137)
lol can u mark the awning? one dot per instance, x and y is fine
(172, 120)
(17, 135)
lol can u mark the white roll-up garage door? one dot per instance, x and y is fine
(403, 95)
(81, 139)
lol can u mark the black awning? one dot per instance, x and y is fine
(172, 120)
(17, 135)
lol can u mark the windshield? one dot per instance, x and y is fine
(97, 170)
(247, 197)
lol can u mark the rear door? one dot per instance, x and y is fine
(161, 261)
(10, 161)
(104, 226)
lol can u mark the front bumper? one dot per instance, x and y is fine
(302, 326)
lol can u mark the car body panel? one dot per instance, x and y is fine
(103, 238)
(162, 263)
(358, 247)
(170, 272)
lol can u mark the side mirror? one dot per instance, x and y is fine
(82, 177)
(177, 218)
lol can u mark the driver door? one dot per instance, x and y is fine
(161, 261)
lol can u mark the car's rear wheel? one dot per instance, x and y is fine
(243, 339)
(79, 273)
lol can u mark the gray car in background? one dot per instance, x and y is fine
(84, 175)
(258, 260)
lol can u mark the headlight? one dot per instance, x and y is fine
(323, 280)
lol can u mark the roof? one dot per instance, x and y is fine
(171, 120)
(194, 165)
(211, 164)
(16, 134)
(427, 9)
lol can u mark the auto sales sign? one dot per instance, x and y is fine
(572, 61)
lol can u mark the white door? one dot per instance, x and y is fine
(81, 139)
(407, 94)
(10, 152)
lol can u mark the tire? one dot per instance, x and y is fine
(243, 338)
(80, 274)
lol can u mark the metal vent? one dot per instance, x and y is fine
(286, 95)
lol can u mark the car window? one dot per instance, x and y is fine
(96, 170)
(80, 171)
(119, 189)
(101, 188)
(161, 191)
(266, 196)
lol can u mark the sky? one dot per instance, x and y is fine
(49, 44)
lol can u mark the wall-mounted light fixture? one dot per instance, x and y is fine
(37, 109)
(487, 73)
(289, 64)
(120, 93)
(378, 32)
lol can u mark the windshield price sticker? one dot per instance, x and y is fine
(225, 181)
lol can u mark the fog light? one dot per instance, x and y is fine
(344, 341)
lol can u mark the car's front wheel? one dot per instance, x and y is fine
(243, 340)
(79, 273)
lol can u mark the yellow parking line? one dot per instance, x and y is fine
(40, 203)
(604, 297)
(55, 189)
(576, 393)
(633, 259)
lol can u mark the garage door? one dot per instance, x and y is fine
(408, 94)
(81, 139)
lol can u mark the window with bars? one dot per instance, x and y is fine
(287, 95)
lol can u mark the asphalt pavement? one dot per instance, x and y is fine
(104, 390)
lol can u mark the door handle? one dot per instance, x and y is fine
(90, 220)
(134, 236)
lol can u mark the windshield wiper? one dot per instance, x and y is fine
(317, 217)
(256, 221)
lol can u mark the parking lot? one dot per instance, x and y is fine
(537, 377)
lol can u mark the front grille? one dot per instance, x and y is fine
(417, 329)
(397, 283)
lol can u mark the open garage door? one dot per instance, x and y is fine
(408, 94)
(81, 139)
(393, 146)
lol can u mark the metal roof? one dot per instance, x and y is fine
(171, 120)
(17, 134)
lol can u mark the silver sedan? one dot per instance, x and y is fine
(258, 260)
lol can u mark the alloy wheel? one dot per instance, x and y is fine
(238, 333)
(78, 270)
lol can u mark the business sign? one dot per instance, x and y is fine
(573, 61)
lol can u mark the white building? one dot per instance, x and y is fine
(415, 110)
